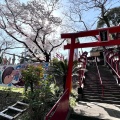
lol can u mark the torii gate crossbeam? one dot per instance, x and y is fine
(94, 44)
(102, 33)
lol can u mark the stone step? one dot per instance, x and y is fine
(103, 101)
(97, 82)
(100, 97)
(74, 116)
(92, 85)
(100, 92)
(105, 95)
(99, 86)
(99, 89)
(91, 90)
(91, 96)
(115, 87)
(112, 92)
(111, 95)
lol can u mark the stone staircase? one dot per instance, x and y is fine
(93, 89)
(75, 116)
(93, 105)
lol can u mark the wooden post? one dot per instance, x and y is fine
(70, 65)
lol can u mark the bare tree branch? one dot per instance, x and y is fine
(56, 45)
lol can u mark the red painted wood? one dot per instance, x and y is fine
(116, 64)
(108, 55)
(70, 65)
(94, 44)
(90, 32)
(112, 61)
(60, 109)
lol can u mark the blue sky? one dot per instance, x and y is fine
(23, 1)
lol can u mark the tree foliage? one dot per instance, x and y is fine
(113, 16)
(32, 24)
(61, 69)
(32, 76)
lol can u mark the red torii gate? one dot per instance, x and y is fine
(104, 41)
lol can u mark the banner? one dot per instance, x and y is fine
(10, 75)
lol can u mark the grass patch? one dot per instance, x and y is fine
(12, 89)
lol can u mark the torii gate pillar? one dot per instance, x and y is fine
(70, 64)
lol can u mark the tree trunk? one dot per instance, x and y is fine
(47, 57)
(106, 20)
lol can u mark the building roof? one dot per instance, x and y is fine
(101, 48)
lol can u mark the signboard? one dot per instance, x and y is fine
(10, 75)
(94, 54)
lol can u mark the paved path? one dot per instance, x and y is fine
(99, 110)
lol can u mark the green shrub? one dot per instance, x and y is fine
(42, 94)
(73, 97)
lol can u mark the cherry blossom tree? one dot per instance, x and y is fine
(32, 24)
